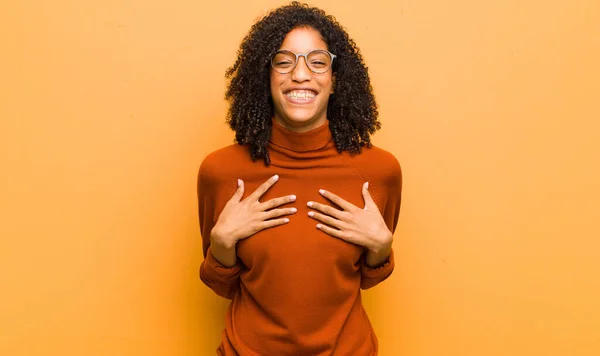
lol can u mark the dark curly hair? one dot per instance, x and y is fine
(351, 111)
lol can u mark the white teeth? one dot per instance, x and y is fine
(301, 94)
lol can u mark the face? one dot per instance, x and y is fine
(300, 97)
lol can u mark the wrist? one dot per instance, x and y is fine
(384, 244)
(220, 239)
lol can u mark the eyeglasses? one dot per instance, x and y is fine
(318, 61)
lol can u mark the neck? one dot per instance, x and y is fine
(311, 140)
(301, 127)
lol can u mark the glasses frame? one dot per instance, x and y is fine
(305, 55)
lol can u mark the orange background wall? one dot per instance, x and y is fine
(108, 108)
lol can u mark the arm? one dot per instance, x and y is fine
(222, 279)
(379, 265)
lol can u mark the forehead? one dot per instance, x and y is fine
(302, 40)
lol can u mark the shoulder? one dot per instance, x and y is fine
(223, 163)
(377, 163)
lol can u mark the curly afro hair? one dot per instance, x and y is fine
(351, 111)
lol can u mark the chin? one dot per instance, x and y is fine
(301, 117)
(300, 120)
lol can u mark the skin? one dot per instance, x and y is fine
(364, 227)
(241, 219)
(301, 116)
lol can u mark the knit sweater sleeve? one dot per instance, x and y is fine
(224, 281)
(391, 183)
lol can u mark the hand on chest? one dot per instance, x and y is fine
(300, 241)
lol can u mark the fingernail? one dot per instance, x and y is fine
(294, 210)
(321, 191)
(239, 182)
(318, 226)
(367, 185)
(310, 213)
(275, 177)
(286, 220)
(292, 197)
(309, 203)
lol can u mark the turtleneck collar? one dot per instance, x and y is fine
(300, 142)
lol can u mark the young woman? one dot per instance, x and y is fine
(298, 216)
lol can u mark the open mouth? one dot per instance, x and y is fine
(303, 95)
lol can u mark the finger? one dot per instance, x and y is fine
(338, 234)
(331, 231)
(275, 213)
(272, 223)
(337, 200)
(327, 210)
(263, 188)
(369, 202)
(326, 219)
(268, 205)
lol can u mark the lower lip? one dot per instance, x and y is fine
(299, 100)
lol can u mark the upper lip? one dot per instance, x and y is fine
(300, 88)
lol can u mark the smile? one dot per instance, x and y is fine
(300, 96)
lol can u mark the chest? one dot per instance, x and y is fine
(299, 243)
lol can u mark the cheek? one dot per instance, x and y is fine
(326, 83)
(275, 89)
(275, 80)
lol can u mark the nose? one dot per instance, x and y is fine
(301, 72)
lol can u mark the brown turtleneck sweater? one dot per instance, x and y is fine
(295, 290)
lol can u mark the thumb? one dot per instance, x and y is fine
(239, 193)
(369, 202)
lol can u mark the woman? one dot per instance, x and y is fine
(298, 216)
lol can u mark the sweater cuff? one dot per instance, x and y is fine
(380, 271)
(218, 269)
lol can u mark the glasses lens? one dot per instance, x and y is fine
(283, 61)
(319, 61)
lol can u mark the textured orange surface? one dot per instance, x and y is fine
(492, 108)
